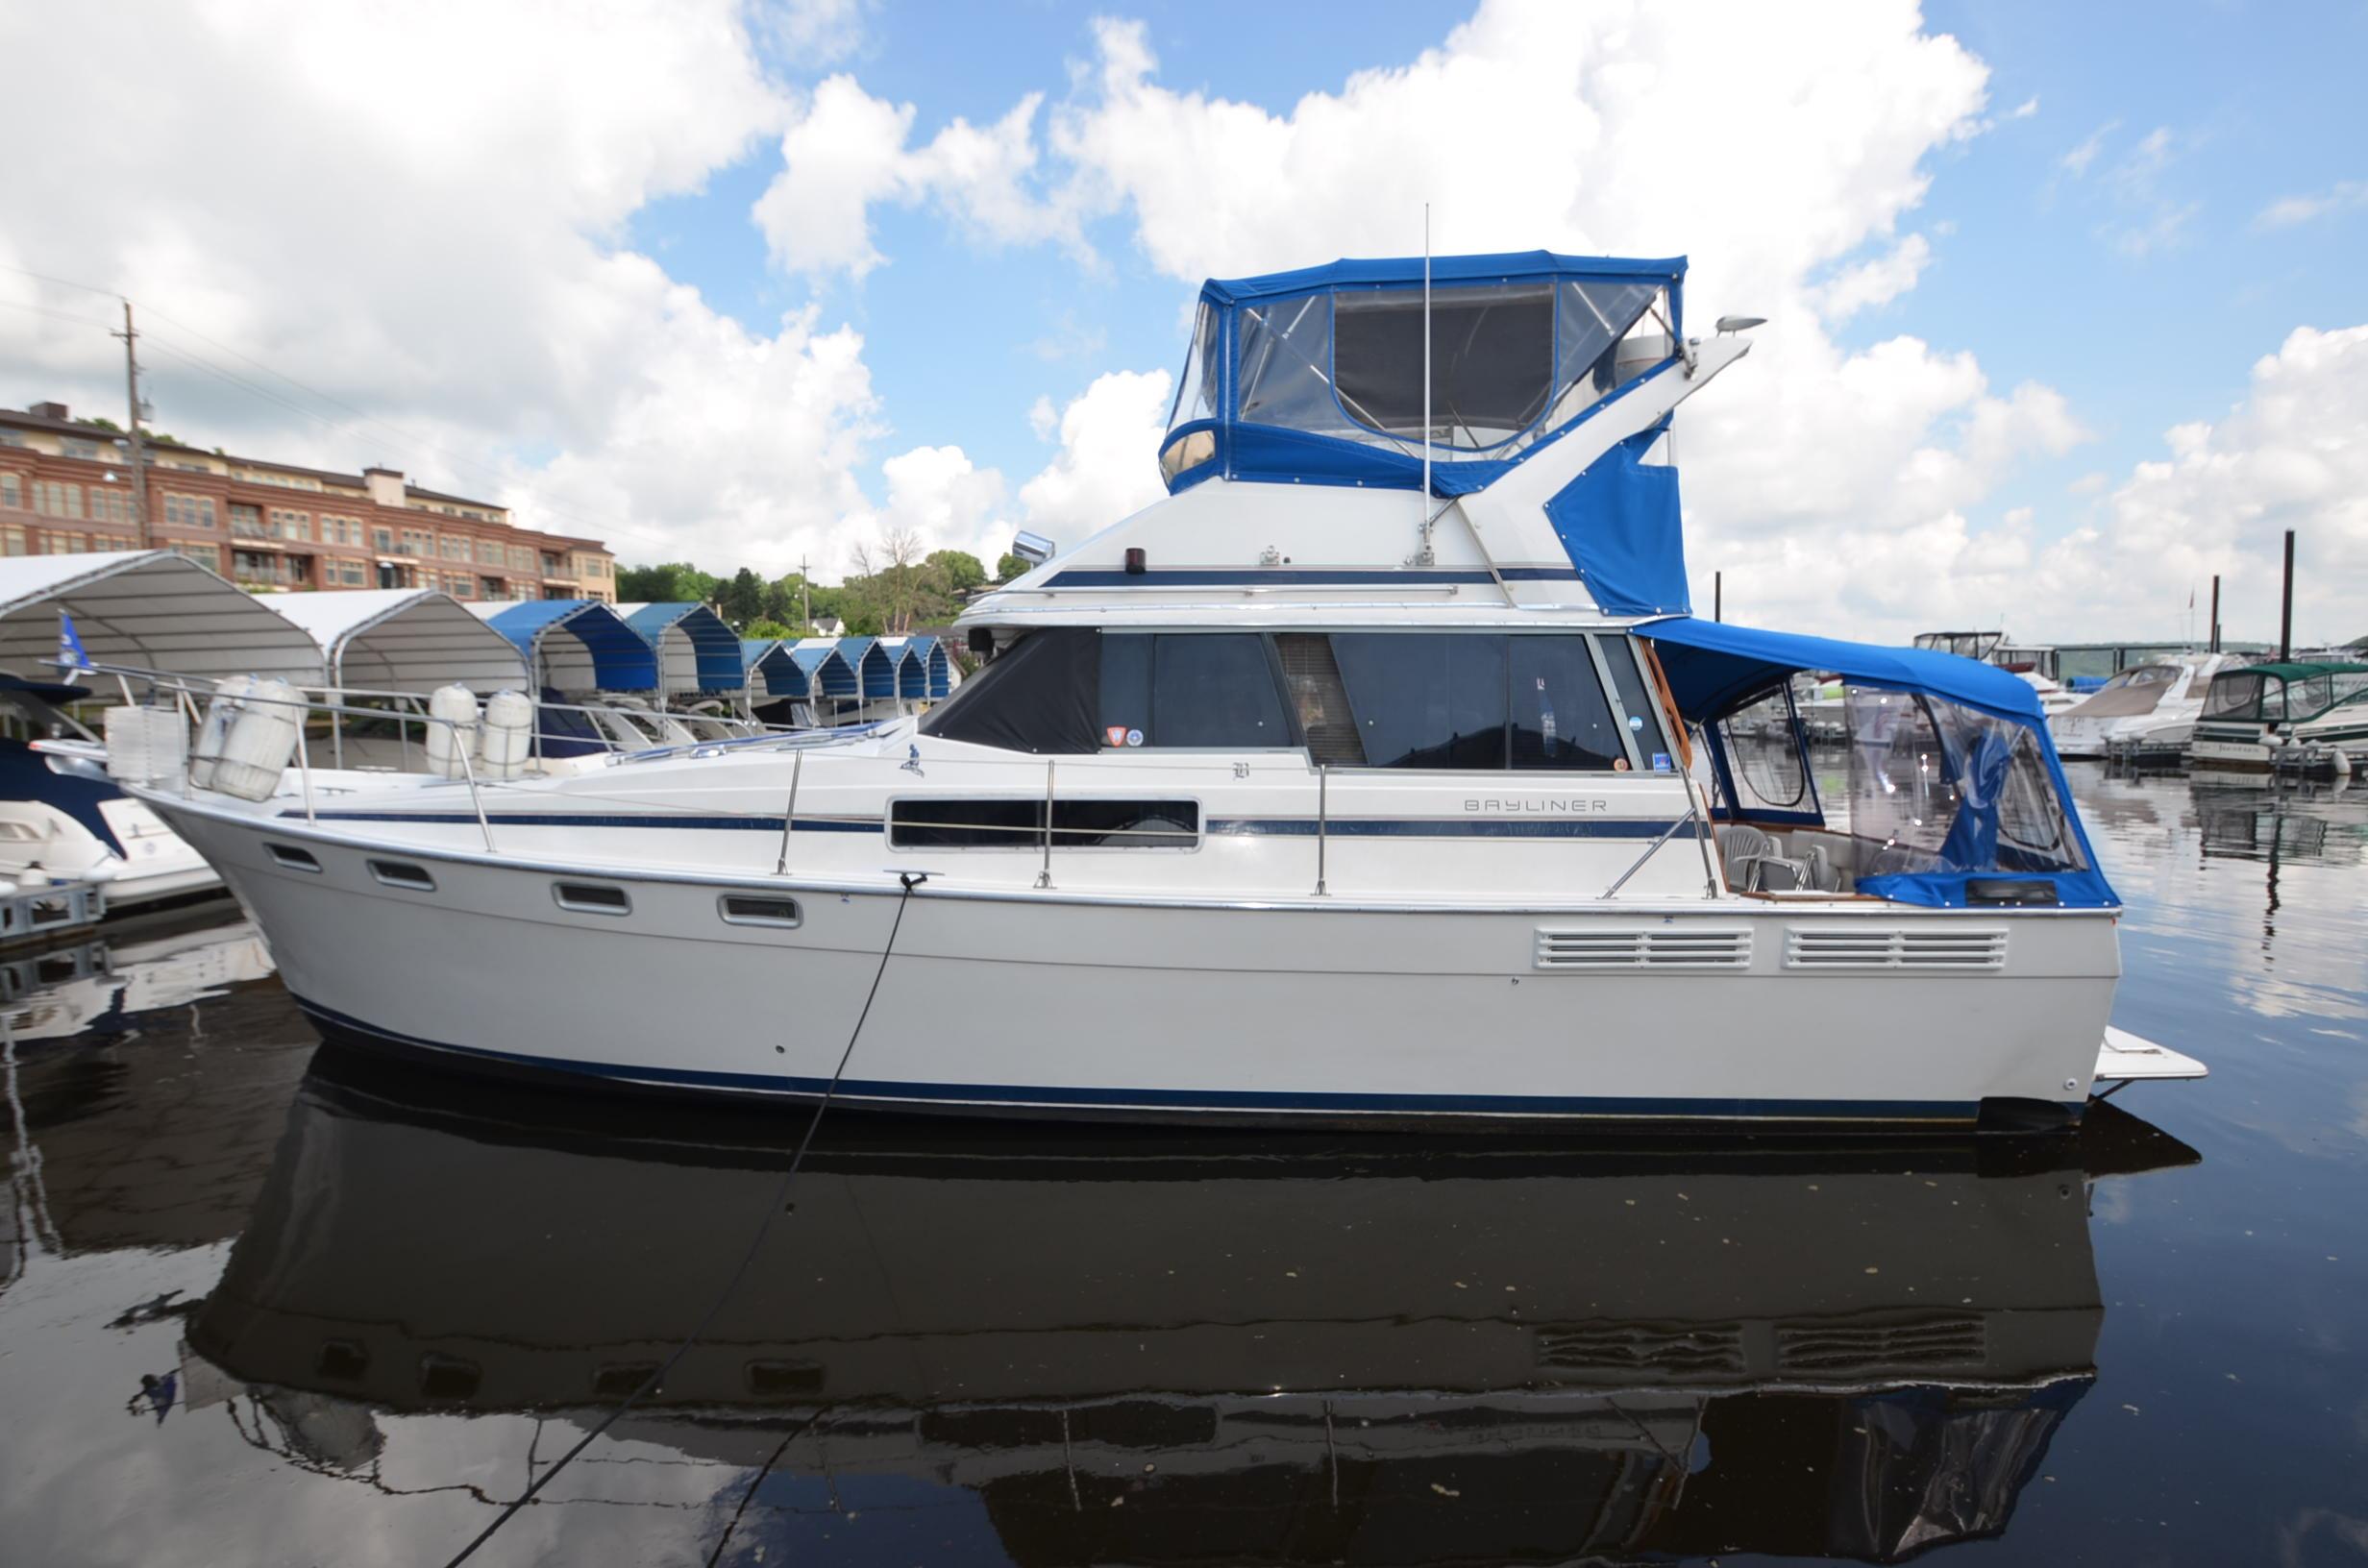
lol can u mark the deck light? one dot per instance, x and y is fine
(1740, 323)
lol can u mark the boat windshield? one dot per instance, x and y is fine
(2145, 675)
(2238, 697)
(1938, 788)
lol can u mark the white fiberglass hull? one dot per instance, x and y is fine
(1015, 1002)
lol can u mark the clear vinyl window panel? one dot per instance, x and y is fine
(1764, 755)
(1491, 361)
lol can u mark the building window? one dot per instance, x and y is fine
(12, 438)
(56, 543)
(11, 491)
(454, 547)
(208, 556)
(382, 540)
(190, 511)
(352, 573)
(74, 446)
(55, 499)
(488, 552)
(418, 542)
(246, 522)
(12, 538)
(269, 567)
(109, 505)
(296, 527)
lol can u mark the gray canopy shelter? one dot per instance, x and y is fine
(405, 640)
(149, 608)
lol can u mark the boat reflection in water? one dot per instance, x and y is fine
(1185, 1347)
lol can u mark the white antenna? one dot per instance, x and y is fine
(1425, 511)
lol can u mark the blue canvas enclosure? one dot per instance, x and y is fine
(697, 650)
(1317, 376)
(921, 669)
(615, 656)
(1953, 784)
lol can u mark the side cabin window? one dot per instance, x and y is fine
(1763, 754)
(1567, 703)
(937, 822)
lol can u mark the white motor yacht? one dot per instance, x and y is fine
(1375, 775)
(2259, 718)
(2039, 666)
(2147, 710)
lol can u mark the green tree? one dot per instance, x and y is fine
(1009, 567)
(669, 582)
(961, 568)
(772, 631)
(743, 598)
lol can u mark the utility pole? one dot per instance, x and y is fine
(1718, 595)
(2215, 612)
(806, 596)
(139, 450)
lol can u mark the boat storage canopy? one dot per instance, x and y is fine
(405, 640)
(1953, 788)
(697, 650)
(150, 608)
(575, 645)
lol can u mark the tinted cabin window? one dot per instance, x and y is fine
(1425, 699)
(1212, 689)
(1317, 698)
(1560, 717)
(1038, 696)
(1019, 824)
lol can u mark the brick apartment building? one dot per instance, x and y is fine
(66, 487)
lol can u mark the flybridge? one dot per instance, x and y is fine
(1319, 376)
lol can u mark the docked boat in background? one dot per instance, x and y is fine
(2147, 713)
(2262, 718)
(2036, 663)
(1376, 775)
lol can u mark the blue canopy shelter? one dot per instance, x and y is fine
(924, 673)
(772, 672)
(874, 664)
(1954, 792)
(696, 652)
(830, 677)
(576, 644)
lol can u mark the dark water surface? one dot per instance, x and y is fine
(259, 1307)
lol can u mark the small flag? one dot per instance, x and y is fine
(70, 647)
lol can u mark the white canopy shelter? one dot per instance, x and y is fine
(405, 640)
(150, 608)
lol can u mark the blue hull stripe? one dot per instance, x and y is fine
(1288, 578)
(570, 818)
(1460, 827)
(1021, 1096)
(1302, 827)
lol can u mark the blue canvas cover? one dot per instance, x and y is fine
(1714, 668)
(1619, 522)
(622, 661)
(714, 647)
(1286, 450)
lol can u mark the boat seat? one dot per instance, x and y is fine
(1754, 864)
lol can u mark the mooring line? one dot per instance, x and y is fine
(780, 1195)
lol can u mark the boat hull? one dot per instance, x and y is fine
(1308, 1012)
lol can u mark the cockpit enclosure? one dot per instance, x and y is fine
(1317, 375)
(2278, 694)
(1947, 791)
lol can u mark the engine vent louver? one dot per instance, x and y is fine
(1670, 1349)
(1881, 947)
(1888, 1344)
(1654, 947)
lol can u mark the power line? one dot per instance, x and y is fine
(587, 519)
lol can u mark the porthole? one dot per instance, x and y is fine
(751, 909)
(592, 897)
(402, 873)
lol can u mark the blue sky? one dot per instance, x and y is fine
(689, 279)
(2143, 288)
